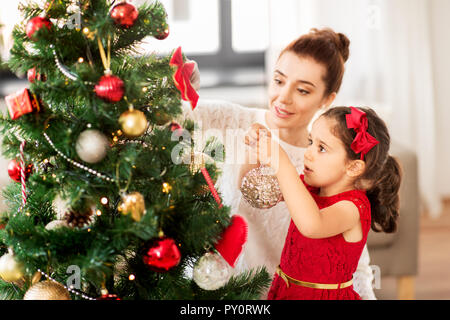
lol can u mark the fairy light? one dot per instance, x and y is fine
(166, 187)
(98, 213)
(80, 60)
(86, 30)
(131, 277)
(104, 201)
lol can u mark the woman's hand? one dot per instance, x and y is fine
(195, 76)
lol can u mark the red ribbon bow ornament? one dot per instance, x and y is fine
(182, 77)
(363, 141)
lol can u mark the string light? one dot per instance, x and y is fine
(104, 201)
(166, 187)
(131, 277)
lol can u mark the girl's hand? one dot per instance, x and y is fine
(263, 149)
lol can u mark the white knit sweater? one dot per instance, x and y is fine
(267, 228)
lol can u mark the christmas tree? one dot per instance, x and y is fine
(99, 209)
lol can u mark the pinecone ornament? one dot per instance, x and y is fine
(78, 220)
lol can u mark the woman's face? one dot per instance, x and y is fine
(296, 91)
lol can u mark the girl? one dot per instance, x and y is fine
(350, 183)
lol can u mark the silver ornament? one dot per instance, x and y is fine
(260, 188)
(92, 146)
(211, 272)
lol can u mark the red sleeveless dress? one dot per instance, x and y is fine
(327, 260)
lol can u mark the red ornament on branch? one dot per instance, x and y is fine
(162, 34)
(108, 296)
(14, 170)
(33, 75)
(21, 102)
(176, 128)
(124, 14)
(182, 76)
(161, 254)
(36, 24)
(110, 88)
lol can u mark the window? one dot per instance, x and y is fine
(227, 38)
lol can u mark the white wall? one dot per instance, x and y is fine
(440, 25)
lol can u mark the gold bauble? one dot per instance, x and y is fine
(134, 204)
(47, 290)
(133, 123)
(10, 269)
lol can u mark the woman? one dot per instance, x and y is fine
(306, 79)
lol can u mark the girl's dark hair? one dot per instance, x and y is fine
(328, 48)
(382, 175)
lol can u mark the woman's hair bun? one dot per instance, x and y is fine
(343, 45)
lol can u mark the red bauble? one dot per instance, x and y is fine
(110, 88)
(163, 34)
(161, 254)
(108, 296)
(176, 128)
(14, 170)
(36, 24)
(32, 75)
(124, 14)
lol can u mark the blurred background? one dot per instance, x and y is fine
(398, 65)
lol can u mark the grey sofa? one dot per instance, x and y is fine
(397, 254)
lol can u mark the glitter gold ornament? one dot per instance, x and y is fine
(133, 123)
(211, 272)
(260, 188)
(134, 204)
(47, 290)
(11, 270)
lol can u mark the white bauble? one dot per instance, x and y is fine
(211, 272)
(56, 224)
(92, 146)
(60, 206)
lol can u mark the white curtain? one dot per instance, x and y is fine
(390, 67)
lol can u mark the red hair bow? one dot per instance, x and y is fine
(363, 141)
(182, 76)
